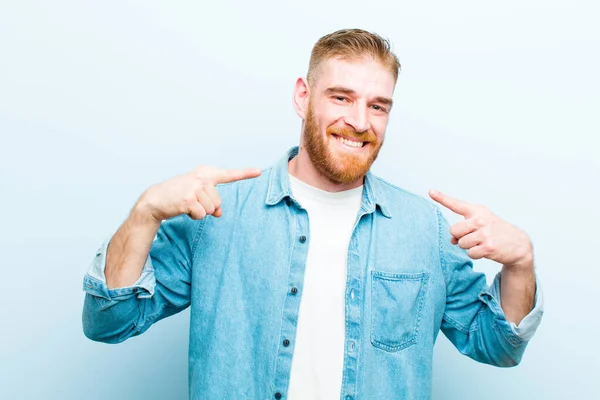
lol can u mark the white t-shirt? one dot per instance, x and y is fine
(317, 365)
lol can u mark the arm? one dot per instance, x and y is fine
(113, 315)
(484, 235)
(518, 287)
(473, 320)
(129, 248)
(135, 281)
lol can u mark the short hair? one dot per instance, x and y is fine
(352, 44)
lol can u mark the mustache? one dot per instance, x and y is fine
(350, 133)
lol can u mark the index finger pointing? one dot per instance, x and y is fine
(232, 175)
(458, 206)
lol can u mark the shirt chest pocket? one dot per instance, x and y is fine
(396, 308)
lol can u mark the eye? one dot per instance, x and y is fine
(340, 98)
(377, 107)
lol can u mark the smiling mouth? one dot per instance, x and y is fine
(350, 143)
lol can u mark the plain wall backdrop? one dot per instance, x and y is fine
(497, 103)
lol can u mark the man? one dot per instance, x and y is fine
(315, 279)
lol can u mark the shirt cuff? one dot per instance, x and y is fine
(528, 325)
(94, 280)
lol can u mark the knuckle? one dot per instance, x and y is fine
(199, 213)
(484, 210)
(485, 234)
(479, 222)
(197, 173)
(200, 176)
(201, 172)
(474, 254)
(454, 230)
(200, 185)
(207, 170)
(205, 182)
(188, 201)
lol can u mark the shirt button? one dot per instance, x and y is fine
(278, 395)
(294, 290)
(351, 345)
(302, 239)
(352, 294)
(286, 343)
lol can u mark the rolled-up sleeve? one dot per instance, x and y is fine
(94, 280)
(474, 320)
(529, 324)
(163, 288)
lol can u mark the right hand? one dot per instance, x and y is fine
(193, 193)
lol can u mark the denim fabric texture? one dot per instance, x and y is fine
(242, 276)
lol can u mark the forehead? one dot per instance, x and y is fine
(367, 77)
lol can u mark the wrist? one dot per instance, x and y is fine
(524, 266)
(141, 214)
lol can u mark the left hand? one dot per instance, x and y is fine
(484, 235)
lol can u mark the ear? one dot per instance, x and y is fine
(301, 97)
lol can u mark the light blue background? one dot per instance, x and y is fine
(497, 104)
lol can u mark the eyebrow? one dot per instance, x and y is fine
(340, 89)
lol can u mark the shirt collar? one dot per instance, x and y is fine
(279, 187)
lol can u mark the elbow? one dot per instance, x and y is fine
(496, 350)
(506, 354)
(103, 336)
(501, 359)
(507, 361)
(90, 332)
(95, 331)
(100, 325)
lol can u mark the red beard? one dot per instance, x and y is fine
(338, 166)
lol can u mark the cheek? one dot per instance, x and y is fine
(379, 126)
(330, 114)
(329, 122)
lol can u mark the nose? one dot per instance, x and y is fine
(358, 118)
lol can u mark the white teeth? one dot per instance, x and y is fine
(350, 143)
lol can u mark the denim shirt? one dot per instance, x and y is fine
(242, 275)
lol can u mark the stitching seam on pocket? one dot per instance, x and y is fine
(423, 277)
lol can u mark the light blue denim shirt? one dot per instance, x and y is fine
(242, 274)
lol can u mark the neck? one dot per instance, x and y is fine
(302, 168)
